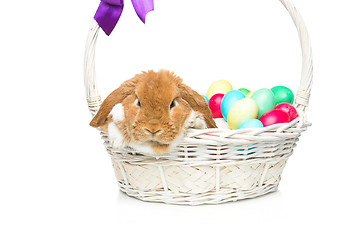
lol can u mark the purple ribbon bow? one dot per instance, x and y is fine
(109, 12)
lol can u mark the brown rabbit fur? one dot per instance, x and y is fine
(157, 107)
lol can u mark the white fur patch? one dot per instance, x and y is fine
(142, 147)
(116, 138)
(118, 113)
(195, 120)
(146, 148)
(221, 123)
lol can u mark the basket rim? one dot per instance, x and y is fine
(219, 139)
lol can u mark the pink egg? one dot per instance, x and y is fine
(215, 105)
(274, 116)
(286, 107)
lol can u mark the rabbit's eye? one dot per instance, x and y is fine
(138, 102)
(172, 104)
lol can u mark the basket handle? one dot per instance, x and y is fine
(302, 96)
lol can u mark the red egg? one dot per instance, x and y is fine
(286, 107)
(274, 116)
(215, 105)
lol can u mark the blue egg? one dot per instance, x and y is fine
(228, 101)
(252, 123)
(206, 98)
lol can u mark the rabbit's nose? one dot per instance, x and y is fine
(153, 126)
(153, 132)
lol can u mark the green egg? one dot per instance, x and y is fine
(265, 100)
(283, 94)
(245, 91)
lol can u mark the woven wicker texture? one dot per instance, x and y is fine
(210, 166)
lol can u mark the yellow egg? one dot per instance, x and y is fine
(243, 110)
(221, 86)
(250, 94)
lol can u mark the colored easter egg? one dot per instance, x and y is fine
(290, 109)
(229, 99)
(206, 98)
(242, 148)
(215, 105)
(250, 94)
(265, 100)
(221, 86)
(283, 94)
(274, 116)
(241, 111)
(252, 123)
(245, 91)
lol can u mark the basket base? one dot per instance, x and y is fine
(212, 197)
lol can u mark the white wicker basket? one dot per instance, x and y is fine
(212, 165)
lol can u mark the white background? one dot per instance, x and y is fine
(56, 180)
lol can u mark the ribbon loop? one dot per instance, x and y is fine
(109, 12)
(142, 7)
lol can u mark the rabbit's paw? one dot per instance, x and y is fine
(116, 138)
(196, 121)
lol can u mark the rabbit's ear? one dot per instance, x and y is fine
(197, 103)
(117, 96)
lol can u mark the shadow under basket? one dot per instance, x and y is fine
(210, 166)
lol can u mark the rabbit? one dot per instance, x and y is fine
(151, 112)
